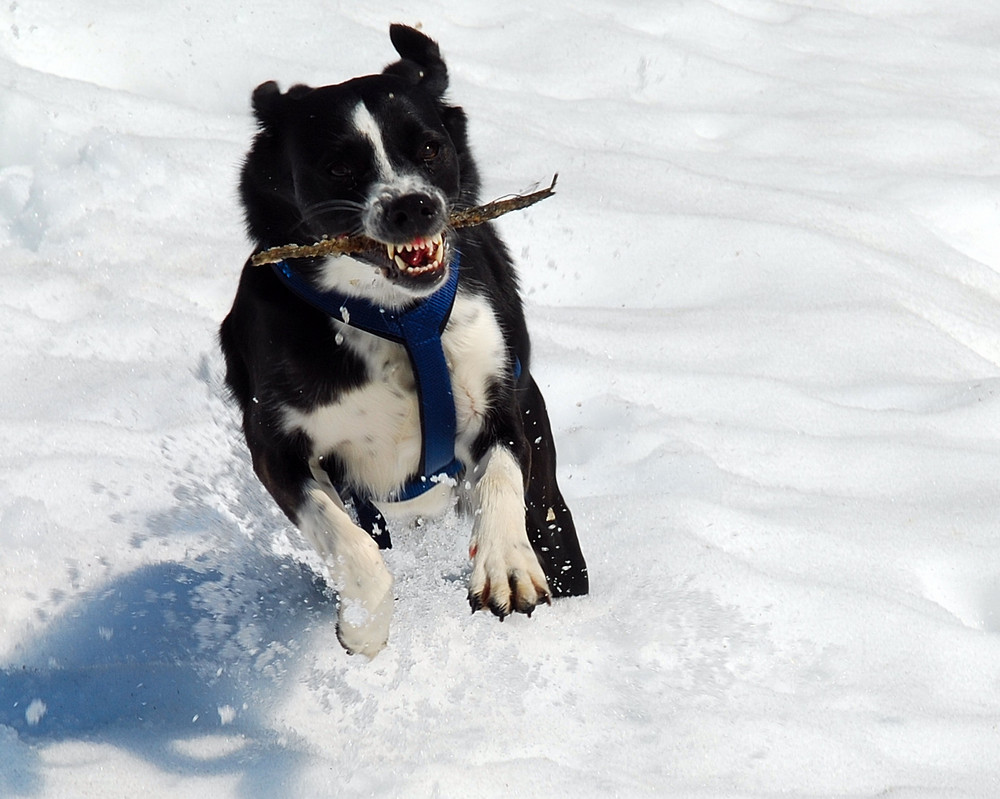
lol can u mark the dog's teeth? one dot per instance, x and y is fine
(433, 254)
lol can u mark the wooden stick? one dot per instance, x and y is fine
(343, 245)
(484, 213)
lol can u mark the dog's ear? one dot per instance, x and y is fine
(265, 101)
(421, 62)
(269, 103)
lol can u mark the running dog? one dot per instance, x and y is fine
(388, 381)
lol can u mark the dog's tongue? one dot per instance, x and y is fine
(414, 257)
(418, 256)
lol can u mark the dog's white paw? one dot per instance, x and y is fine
(506, 577)
(363, 621)
(357, 573)
(364, 590)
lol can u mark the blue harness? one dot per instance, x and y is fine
(419, 330)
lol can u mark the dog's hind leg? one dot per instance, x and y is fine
(549, 522)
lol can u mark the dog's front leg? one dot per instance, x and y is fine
(506, 575)
(356, 568)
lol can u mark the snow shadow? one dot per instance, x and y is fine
(174, 663)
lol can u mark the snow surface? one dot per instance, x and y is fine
(765, 306)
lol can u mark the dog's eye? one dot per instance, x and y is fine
(339, 169)
(430, 150)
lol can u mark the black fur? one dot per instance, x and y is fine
(307, 176)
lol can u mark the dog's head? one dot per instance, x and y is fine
(382, 155)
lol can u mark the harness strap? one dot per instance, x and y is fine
(418, 329)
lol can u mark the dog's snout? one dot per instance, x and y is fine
(413, 215)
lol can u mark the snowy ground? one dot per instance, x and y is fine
(766, 307)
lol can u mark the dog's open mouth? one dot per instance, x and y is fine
(421, 259)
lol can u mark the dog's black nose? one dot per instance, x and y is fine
(414, 215)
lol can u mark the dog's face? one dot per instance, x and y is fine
(380, 155)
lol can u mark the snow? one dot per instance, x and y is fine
(765, 307)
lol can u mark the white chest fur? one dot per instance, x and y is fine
(375, 429)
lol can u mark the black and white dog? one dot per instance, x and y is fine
(341, 412)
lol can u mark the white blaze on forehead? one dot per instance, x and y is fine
(366, 125)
